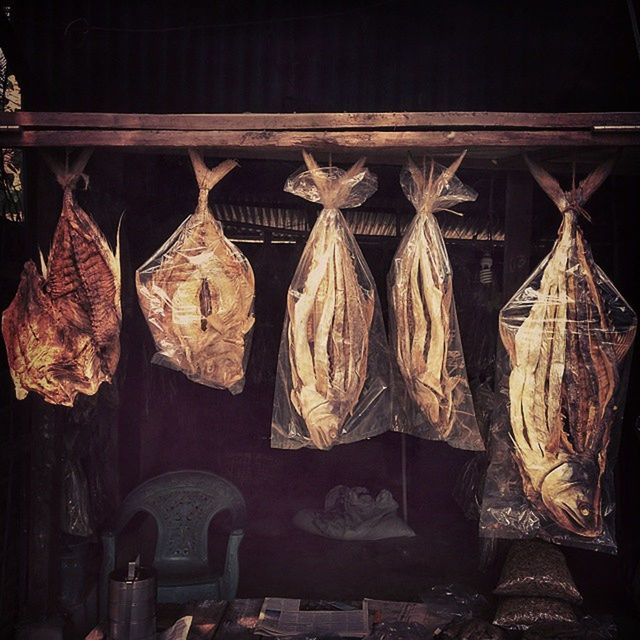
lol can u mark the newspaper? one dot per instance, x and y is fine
(282, 617)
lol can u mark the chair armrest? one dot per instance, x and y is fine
(230, 578)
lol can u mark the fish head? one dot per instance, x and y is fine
(571, 494)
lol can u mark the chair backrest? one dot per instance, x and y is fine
(183, 504)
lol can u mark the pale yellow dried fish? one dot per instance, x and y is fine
(331, 303)
(565, 349)
(424, 329)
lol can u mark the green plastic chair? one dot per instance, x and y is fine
(182, 503)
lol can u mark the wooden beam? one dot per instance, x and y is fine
(314, 121)
(334, 141)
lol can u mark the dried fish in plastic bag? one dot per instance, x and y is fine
(425, 338)
(197, 293)
(62, 329)
(333, 366)
(537, 568)
(566, 331)
(522, 613)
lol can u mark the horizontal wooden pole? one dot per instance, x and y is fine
(360, 141)
(314, 121)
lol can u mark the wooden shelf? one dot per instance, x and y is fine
(316, 121)
(490, 137)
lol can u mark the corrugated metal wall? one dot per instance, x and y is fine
(281, 55)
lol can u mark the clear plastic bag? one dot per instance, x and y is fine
(433, 396)
(400, 631)
(197, 293)
(470, 630)
(587, 628)
(455, 602)
(333, 367)
(567, 332)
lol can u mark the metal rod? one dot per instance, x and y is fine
(403, 456)
(616, 128)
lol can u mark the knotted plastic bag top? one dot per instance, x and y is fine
(435, 188)
(333, 187)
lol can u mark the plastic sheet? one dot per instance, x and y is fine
(470, 630)
(455, 602)
(433, 397)
(333, 366)
(537, 568)
(567, 332)
(400, 631)
(587, 628)
(75, 512)
(467, 491)
(197, 293)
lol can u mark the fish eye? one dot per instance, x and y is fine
(585, 510)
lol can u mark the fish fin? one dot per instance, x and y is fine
(208, 178)
(548, 184)
(450, 171)
(117, 251)
(417, 174)
(309, 160)
(43, 264)
(65, 175)
(356, 168)
(592, 182)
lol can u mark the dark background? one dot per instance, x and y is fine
(333, 56)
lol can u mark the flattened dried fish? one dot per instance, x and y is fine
(197, 293)
(62, 329)
(566, 331)
(424, 327)
(330, 309)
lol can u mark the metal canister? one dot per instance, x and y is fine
(132, 603)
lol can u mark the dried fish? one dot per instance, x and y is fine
(62, 329)
(197, 292)
(424, 326)
(566, 332)
(324, 363)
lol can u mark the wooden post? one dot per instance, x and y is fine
(43, 508)
(517, 231)
(518, 224)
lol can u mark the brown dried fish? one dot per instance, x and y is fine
(197, 293)
(424, 326)
(329, 319)
(565, 348)
(62, 329)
